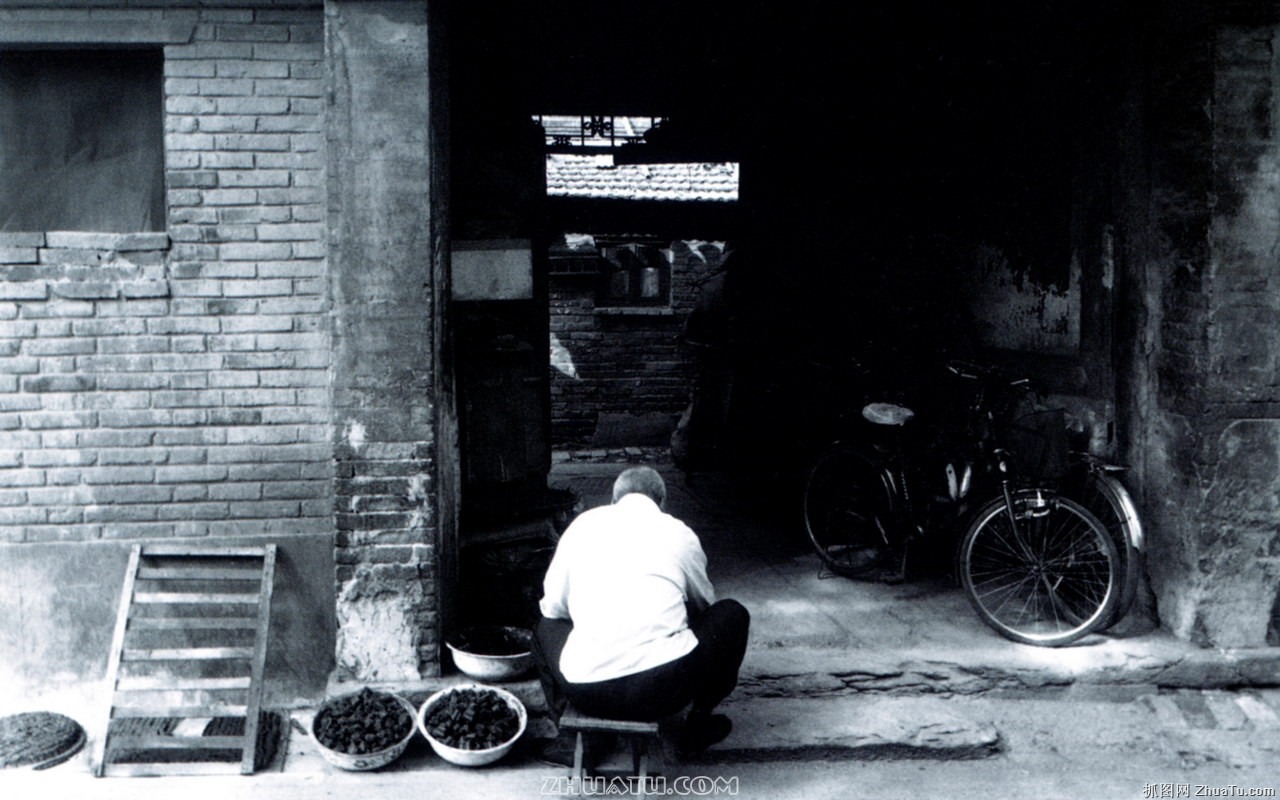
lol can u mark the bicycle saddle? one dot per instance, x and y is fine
(887, 413)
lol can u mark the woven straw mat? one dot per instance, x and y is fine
(38, 739)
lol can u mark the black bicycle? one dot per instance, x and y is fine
(1049, 546)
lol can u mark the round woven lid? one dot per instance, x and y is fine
(38, 739)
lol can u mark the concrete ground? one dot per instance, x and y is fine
(816, 635)
(844, 672)
(1118, 742)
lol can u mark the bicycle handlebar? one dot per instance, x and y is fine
(971, 371)
(965, 369)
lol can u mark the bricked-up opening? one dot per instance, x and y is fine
(83, 140)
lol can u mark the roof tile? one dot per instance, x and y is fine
(598, 176)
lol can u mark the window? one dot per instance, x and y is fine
(82, 140)
(571, 133)
(633, 274)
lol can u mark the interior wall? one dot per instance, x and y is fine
(976, 167)
(1011, 312)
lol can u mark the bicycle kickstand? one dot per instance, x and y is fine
(894, 577)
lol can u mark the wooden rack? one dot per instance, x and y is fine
(189, 647)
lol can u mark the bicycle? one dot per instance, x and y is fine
(1038, 566)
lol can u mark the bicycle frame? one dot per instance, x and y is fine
(1039, 566)
(933, 479)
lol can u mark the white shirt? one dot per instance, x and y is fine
(623, 573)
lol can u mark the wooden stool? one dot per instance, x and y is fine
(638, 733)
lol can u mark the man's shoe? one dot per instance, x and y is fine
(701, 732)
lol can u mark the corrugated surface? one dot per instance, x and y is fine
(597, 176)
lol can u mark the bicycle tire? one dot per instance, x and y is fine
(847, 508)
(1048, 580)
(1111, 503)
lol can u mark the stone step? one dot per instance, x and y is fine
(853, 728)
(1157, 661)
(863, 727)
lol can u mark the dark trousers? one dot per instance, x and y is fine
(704, 677)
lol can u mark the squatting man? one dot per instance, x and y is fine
(630, 625)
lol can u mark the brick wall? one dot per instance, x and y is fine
(175, 384)
(1241, 344)
(1211, 439)
(1238, 546)
(1173, 223)
(623, 361)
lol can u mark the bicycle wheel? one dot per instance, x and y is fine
(1045, 573)
(847, 512)
(1107, 499)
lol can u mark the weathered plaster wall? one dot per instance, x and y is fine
(1241, 534)
(1041, 283)
(1212, 439)
(60, 602)
(1239, 537)
(384, 245)
(1173, 223)
(1013, 311)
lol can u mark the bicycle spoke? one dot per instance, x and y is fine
(1053, 601)
(1028, 598)
(1044, 577)
(1012, 542)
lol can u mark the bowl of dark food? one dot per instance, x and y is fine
(492, 652)
(472, 725)
(363, 730)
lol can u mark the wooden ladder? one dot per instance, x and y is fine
(190, 645)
